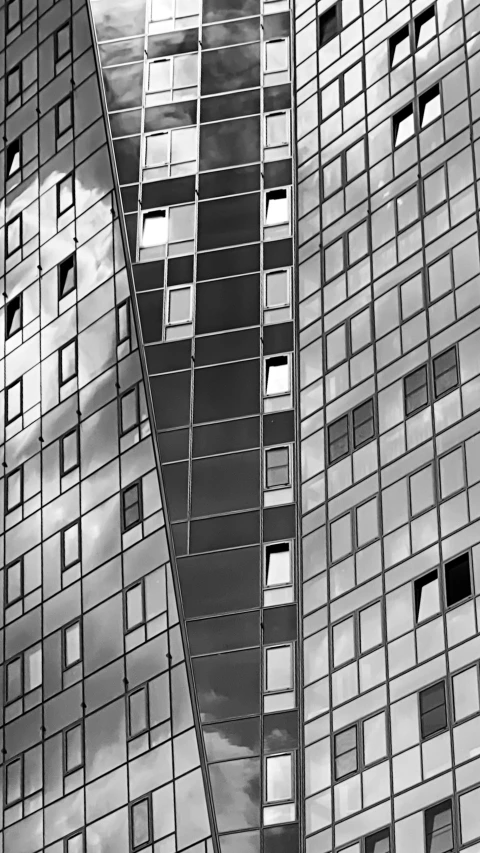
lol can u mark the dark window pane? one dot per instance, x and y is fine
(225, 531)
(227, 436)
(14, 316)
(228, 685)
(231, 68)
(433, 711)
(338, 439)
(66, 276)
(363, 424)
(224, 633)
(237, 32)
(438, 828)
(222, 305)
(445, 372)
(416, 391)
(458, 584)
(231, 105)
(150, 305)
(233, 739)
(329, 24)
(176, 489)
(220, 582)
(127, 156)
(227, 391)
(230, 143)
(379, 842)
(171, 399)
(225, 483)
(14, 158)
(229, 221)
(280, 731)
(223, 11)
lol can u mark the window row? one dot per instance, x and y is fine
(412, 36)
(351, 431)
(417, 115)
(62, 46)
(423, 384)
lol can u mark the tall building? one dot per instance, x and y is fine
(240, 334)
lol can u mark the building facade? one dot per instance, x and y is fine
(240, 348)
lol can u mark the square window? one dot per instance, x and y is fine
(14, 234)
(277, 464)
(278, 564)
(276, 130)
(73, 748)
(131, 506)
(329, 24)
(13, 320)
(68, 361)
(63, 41)
(14, 14)
(14, 83)
(179, 305)
(14, 401)
(416, 391)
(433, 710)
(65, 194)
(154, 229)
(439, 828)
(135, 606)
(69, 452)
(279, 778)
(14, 483)
(129, 410)
(277, 375)
(458, 582)
(278, 668)
(363, 424)
(138, 712)
(399, 47)
(276, 207)
(345, 752)
(338, 439)
(13, 158)
(140, 819)
(277, 289)
(276, 55)
(70, 545)
(67, 276)
(64, 116)
(123, 322)
(425, 27)
(430, 106)
(379, 842)
(427, 596)
(445, 372)
(403, 125)
(72, 648)
(14, 582)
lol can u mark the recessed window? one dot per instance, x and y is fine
(278, 668)
(13, 159)
(14, 400)
(329, 24)
(13, 320)
(131, 506)
(276, 130)
(403, 125)
(32, 669)
(64, 116)
(416, 390)
(154, 229)
(14, 14)
(170, 153)
(399, 47)
(173, 78)
(430, 106)
(63, 42)
(338, 443)
(278, 564)
(14, 582)
(135, 606)
(276, 55)
(276, 207)
(137, 712)
(14, 83)
(73, 748)
(425, 27)
(14, 234)
(129, 414)
(458, 582)
(179, 305)
(65, 194)
(433, 710)
(70, 538)
(277, 289)
(14, 679)
(379, 842)
(67, 279)
(279, 778)
(427, 598)
(123, 322)
(72, 644)
(439, 828)
(363, 424)
(345, 752)
(277, 465)
(14, 782)
(68, 361)
(140, 824)
(445, 372)
(14, 484)
(69, 452)
(277, 375)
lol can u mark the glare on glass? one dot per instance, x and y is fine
(183, 145)
(405, 127)
(277, 289)
(135, 615)
(140, 821)
(179, 304)
(33, 669)
(161, 10)
(129, 410)
(276, 207)
(155, 229)
(68, 364)
(278, 568)
(276, 55)
(276, 129)
(72, 644)
(277, 375)
(278, 668)
(185, 71)
(14, 489)
(279, 778)
(71, 545)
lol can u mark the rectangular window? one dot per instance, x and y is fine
(14, 14)
(277, 289)
(170, 153)
(72, 645)
(276, 207)
(425, 27)
(14, 400)
(458, 582)
(14, 483)
(277, 130)
(345, 752)
(278, 564)
(64, 116)
(278, 668)
(277, 375)
(399, 46)
(329, 24)
(73, 748)
(140, 822)
(13, 320)
(173, 78)
(131, 506)
(155, 229)
(416, 390)
(277, 468)
(363, 424)
(14, 234)
(427, 598)
(14, 83)
(14, 781)
(69, 452)
(14, 582)
(70, 545)
(129, 410)
(439, 828)
(123, 322)
(466, 693)
(430, 106)
(13, 162)
(379, 842)
(65, 194)
(67, 362)
(403, 125)
(279, 784)
(276, 61)
(433, 710)
(137, 711)
(338, 442)
(67, 278)
(63, 42)
(445, 372)
(179, 305)
(14, 679)
(24, 674)
(135, 606)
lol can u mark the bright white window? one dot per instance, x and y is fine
(278, 668)
(279, 778)
(278, 564)
(167, 15)
(399, 47)
(172, 79)
(276, 129)
(179, 305)
(404, 127)
(33, 668)
(155, 228)
(430, 106)
(277, 289)
(276, 207)
(277, 375)
(276, 62)
(170, 153)
(172, 226)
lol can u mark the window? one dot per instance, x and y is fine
(62, 42)
(64, 116)
(276, 207)
(338, 443)
(14, 484)
(13, 320)
(14, 14)
(14, 400)
(379, 842)
(345, 752)
(277, 375)
(170, 153)
(399, 46)
(430, 106)
(403, 125)
(172, 79)
(70, 545)
(173, 14)
(14, 83)
(72, 648)
(24, 673)
(277, 289)
(14, 582)
(425, 27)
(75, 844)
(427, 598)
(278, 566)
(329, 24)
(277, 135)
(14, 234)
(69, 452)
(65, 194)
(167, 230)
(129, 413)
(416, 391)
(14, 679)
(179, 305)
(458, 583)
(439, 828)
(277, 472)
(123, 322)
(14, 782)
(135, 606)
(279, 784)
(67, 277)
(363, 424)
(67, 361)
(433, 710)
(14, 158)
(137, 712)
(445, 372)
(466, 693)
(140, 821)
(131, 506)
(276, 62)
(278, 668)
(155, 229)
(73, 748)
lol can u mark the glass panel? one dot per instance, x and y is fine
(279, 778)
(278, 564)
(277, 379)
(277, 289)
(278, 666)
(276, 129)
(276, 207)
(276, 55)
(179, 305)
(157, 148)
(155, 229)
(72, 644)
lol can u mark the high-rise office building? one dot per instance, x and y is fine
(240, 332)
